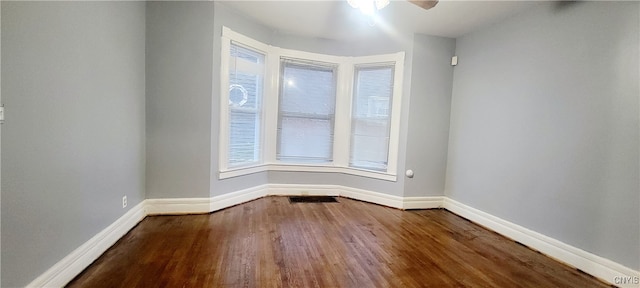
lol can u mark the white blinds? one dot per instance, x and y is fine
(306, 111)
(246, 73)
(370, 122)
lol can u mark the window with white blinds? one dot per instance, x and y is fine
(370, 118)
(306, 111)
(246, 74)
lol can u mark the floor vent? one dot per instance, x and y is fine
(313, 199)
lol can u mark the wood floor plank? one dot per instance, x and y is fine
(270, 242)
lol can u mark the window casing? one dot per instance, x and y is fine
(306, 111)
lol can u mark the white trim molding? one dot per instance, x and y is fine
(177, 206)
(239, 171)
(74, 263)
(592, 264)
(357, 194)
(66, 269)
(238, 197)
(428, 202)
(373, 197)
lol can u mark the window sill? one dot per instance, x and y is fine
(235, 172)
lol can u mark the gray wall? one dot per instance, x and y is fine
(73, 145)
(179, 61)
(429, 109)
(183, 96)
(545, 125)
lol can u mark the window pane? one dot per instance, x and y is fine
(245, 90)
(370, 124)
(306, 139)
(242, 137)
(245, 105)
(238, 51)
(306, 112)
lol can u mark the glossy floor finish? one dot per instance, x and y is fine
(270, 242)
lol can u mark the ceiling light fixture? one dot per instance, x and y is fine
(368, 7)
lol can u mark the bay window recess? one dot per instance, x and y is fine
(289, 110)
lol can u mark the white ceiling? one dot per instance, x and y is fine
(337, 20)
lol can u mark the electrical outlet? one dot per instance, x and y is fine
(124, 201)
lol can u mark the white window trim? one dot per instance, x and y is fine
(344, 94)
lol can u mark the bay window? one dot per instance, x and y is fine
(289, 110)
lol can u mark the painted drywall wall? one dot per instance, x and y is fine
(183, 75)
(179, 45)
(429, 108)
(378, 43)
(73, 145)
(545, 124)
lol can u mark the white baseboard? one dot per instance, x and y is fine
(373, 197)
(177, 206)
(429, 202)
(66, 269)
(592, 264)
(336, 190)
(74, 263)
(238, 197)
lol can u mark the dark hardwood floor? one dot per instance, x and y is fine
(270, 242)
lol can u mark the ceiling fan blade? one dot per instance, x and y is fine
(424, 4)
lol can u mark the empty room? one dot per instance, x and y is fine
(344, 143)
